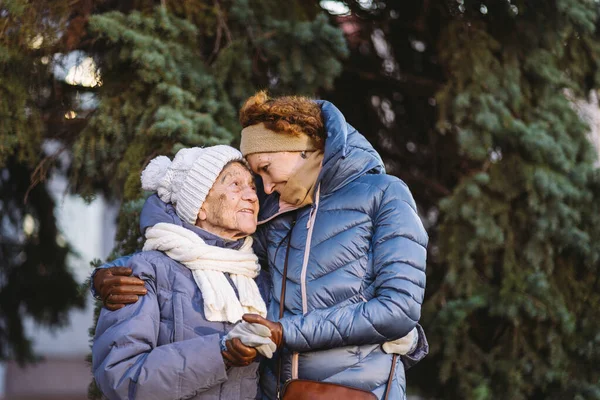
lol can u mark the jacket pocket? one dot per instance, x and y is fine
(178, 327)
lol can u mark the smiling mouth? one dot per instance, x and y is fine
(247, 211)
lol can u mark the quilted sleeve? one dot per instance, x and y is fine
(399, 254)
(128, 364)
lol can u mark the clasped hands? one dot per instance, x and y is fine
(250, 337)
(256, 334)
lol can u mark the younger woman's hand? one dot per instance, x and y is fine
(117, 287)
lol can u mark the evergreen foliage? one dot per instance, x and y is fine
(168, 97)
(471, 103)
(530, 254)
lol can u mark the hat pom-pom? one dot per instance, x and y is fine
(155, 172)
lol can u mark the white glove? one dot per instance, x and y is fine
(404, 345)
(254, 335)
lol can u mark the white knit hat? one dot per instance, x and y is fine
(186, 181)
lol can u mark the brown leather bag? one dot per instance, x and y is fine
(304, 389)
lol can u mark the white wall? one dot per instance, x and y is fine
(589, 110)
(90, 230)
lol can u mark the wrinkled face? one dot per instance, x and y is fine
(275, 169)
(231, 207)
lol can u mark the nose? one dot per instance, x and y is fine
(268, 186)
(250, 194)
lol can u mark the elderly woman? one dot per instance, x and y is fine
(199, 272)
(344, 245)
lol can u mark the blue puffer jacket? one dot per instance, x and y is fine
(162, 347)
(356, 273)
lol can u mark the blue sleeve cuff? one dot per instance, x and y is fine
(421, 350)
(92, 289)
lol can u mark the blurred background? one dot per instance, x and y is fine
(487, 109)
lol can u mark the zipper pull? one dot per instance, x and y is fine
(313, 208)
(310, 217)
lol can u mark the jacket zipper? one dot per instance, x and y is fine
(309, 225)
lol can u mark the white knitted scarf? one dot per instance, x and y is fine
(208, 263)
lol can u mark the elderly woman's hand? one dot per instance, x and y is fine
(254, 335)
(237, 354)
(117, 287)
(275, 327)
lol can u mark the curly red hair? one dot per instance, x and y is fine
(292, 115)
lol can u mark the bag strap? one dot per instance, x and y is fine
(284, 275)
(281, 311)
(388, 389)
(282, 304)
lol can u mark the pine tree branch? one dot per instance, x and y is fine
(221, 27)
(40, 173)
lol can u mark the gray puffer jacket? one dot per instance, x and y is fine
(162, 347)
(356, 274)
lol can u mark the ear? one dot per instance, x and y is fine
(202, 215)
